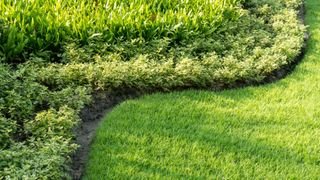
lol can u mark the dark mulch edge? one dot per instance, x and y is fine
(91, 116)
(104, 102)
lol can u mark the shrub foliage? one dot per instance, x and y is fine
(26, 29)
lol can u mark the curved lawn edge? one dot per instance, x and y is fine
(105, 101)
(277, 91)
(38, 117)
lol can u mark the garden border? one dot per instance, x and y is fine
(104, 101)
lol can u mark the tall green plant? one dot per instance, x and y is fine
(36, 25)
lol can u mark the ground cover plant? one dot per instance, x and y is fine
(266, 132)
(55, 54)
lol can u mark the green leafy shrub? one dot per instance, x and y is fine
(35, 125)
(7, 128)
(37, 159)
(53, 123)
(26, 29)
(249, 51)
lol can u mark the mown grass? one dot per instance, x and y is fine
(270, 131)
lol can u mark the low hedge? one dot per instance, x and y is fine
(36, 126)
(260, 42)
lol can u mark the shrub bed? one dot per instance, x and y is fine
(27, 29)
(265, 38)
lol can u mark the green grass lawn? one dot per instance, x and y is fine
(270, 131)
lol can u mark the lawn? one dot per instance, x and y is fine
(270, 131)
